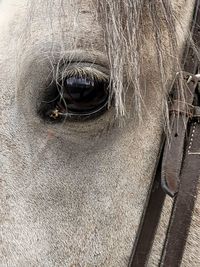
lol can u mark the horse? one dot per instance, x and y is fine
(84, 96)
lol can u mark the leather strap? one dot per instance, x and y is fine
(184, 202)
(173, 151)
(149, 221)
(174, 145)
(185, 169)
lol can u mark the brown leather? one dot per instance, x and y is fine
(180, 169)
(174, 145)
(196, 112)
(184, 203)
(173, 151)
(184, 108)
(149, 222)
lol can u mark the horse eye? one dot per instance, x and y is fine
(77, 98)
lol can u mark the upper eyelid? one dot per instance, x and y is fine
(86, 71)
(81, 69)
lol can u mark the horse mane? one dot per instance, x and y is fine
(126, 24)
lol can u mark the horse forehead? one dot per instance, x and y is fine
(78, 17)
(69, 6)
(74, 23)
(47, 8)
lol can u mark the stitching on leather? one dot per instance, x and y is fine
(192, 137)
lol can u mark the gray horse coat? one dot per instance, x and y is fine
(72, 194)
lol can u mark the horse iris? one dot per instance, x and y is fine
(84, 95)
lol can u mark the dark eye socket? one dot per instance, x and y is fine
(77, 98)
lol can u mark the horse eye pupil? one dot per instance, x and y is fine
(84, 94)
(79, 89)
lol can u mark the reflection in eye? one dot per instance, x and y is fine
(77, 98)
